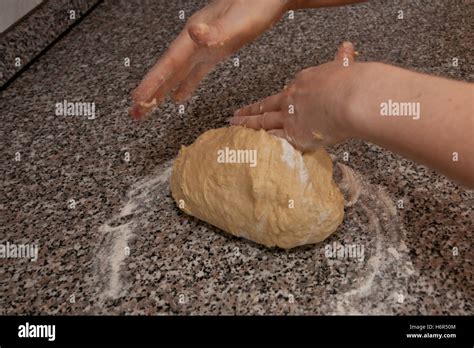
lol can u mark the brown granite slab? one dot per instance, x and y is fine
(27, 38)
(126, 249)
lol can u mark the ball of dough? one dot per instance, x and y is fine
(257, 186)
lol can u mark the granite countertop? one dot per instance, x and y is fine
(126, 248)
(35, 31)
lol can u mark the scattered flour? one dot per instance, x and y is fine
(294, 158)
(390, 254)
(114, 248)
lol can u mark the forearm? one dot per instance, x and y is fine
(439, 136)
(297, 4)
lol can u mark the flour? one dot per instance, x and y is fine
(288, 153)
(292, 158)
(390, 255)
(114, 248)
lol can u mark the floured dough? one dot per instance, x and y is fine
(278, 197)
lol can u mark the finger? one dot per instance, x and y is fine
(268, 104)
(176, 57)
(268, 120)
(346, 52)
(175, 80)
(139, 109)
(191, 82)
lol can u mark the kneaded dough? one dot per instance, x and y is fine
(282, 199)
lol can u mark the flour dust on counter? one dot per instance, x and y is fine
(377, 216)
(367, 285)
(117, 231)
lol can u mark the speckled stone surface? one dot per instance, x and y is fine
(126, 248)
(36, 31)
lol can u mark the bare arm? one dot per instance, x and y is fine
(296, 4)
(441, 135)
(425, 118)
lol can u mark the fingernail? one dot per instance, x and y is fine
(236, 112)
(232, 120)
(346, 44)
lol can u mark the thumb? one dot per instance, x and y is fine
(346, 52)
(204, 34)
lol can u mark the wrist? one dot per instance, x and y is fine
(288, 5)
(298, 4)
(358, 96)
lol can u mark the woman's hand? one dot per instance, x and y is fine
(431, 121)
(210, 35)
(313, 110)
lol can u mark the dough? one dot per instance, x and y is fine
(277, 198)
